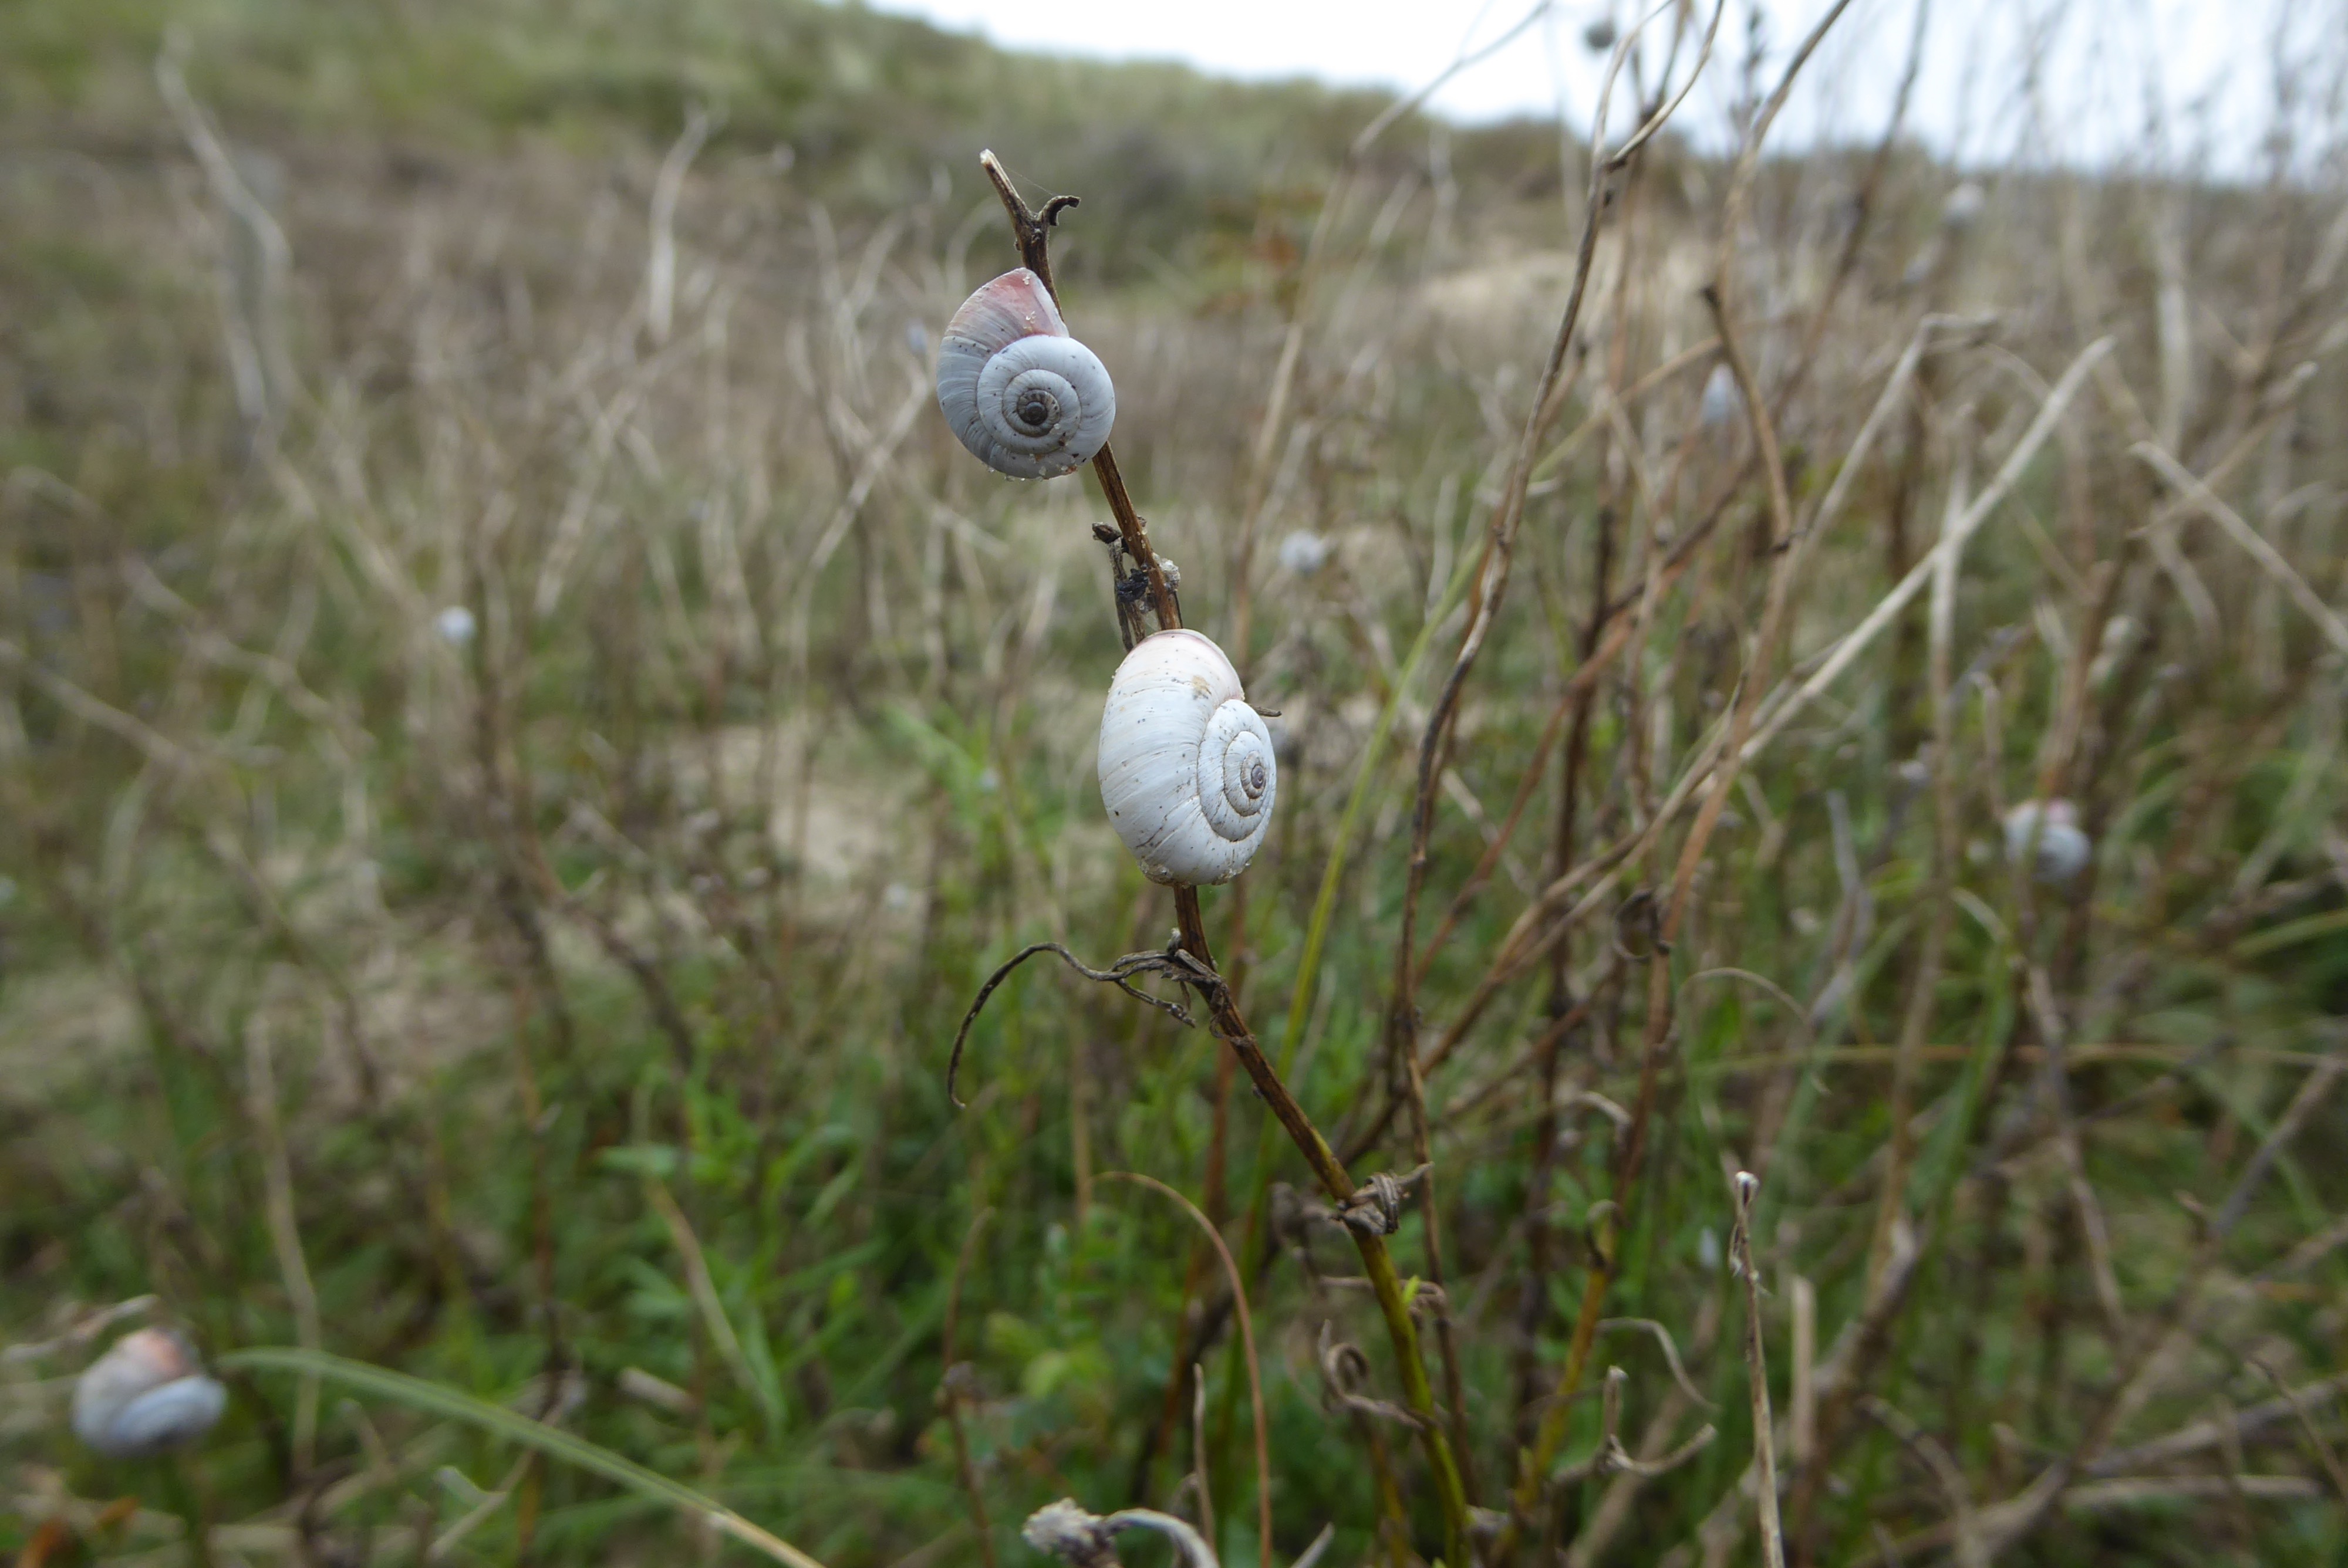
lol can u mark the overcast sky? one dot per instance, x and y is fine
(2206, 65)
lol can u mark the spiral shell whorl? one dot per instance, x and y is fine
(1187, 769)
(1027, 399)
(146, 1395)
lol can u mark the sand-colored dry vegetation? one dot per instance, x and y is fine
(522, 734)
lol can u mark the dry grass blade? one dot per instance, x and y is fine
(2327, 620)
(1757, 1371)
(1663, 1341)
(2324, 1453)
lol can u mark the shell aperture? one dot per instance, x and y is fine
(1023, 396)
(1187, 772)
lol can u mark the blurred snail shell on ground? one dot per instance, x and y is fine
(1964, 205)
(1026, 399)
(1720, 402)
(146, 1395)
(1186, 765)
(1303, 552)
(2062, 849)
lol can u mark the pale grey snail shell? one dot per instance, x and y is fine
(2063, 850)
(1029, 400)
(1187, 769)
(146, 1395)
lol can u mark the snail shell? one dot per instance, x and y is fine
(1029, 400)
(1720, 402)
(1187, 769)
(2063, 849)
(144, 1395)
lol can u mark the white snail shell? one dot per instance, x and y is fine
(2064, 850)
(1029, 400)
(144, 1395)
(1964, 205)
(1303, 552)
(1721, 401)
(1187, 769)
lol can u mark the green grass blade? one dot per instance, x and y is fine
(1316, 931)
(440, 1401)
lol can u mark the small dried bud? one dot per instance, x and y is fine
(1065, 1531)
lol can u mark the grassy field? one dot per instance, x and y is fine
(522, 734)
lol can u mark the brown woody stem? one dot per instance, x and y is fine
(1032, 231)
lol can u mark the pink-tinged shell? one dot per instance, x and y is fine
(1025, 397)
(146, 1394)
(1012, 306)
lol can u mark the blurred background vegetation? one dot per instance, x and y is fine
(522, 734)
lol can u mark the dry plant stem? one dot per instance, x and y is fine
(1507, 517)
(1916, 1023)
(1200, 1467)
(1847, 648)
(1756, 1369)
(1247, 1343)
(2270, 559)
(2008, 1522)
(1377, 1265)
(2324, 1453)
(1261, 467)
(951, 1391)
(1723, 776)
(1215, 1201)
(1946, 1472)
(284, 1231)
(1535, 1462)
(1535, 930)
(1562, 1006)
(1500, 543)
(1430, 1217)
(1032, 231)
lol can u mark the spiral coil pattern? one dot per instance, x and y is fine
(1023, 396)
(1187, 772)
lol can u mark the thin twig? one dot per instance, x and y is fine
(952, 1388)
(1756, 1370)
(1119, 974)
(2324, 1453)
